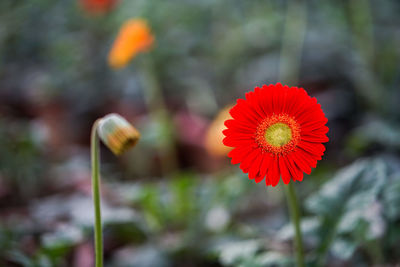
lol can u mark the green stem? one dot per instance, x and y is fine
(361, 25)
(95, 155)
(158, 112)
(295, 217)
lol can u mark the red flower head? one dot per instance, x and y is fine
(277, 131)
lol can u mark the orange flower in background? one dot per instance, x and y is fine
(134, 37)
(214, 135)
(98, 6)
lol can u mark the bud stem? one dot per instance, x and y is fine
(95, 155)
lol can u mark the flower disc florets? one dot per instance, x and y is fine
(278, 134)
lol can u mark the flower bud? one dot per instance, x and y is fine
(117, 133)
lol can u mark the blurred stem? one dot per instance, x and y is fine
(159, 113)
(95, 155)
(360, 15)
(152, 92)
(295, 217)
(361, 19)
(292, 43)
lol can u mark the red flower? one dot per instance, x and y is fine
(277, 131)
(98, 6)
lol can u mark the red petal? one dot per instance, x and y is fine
(233, 141)
(255, 168)
(294, 171)
(273, 172)
(239, 126)
(238, 154)
(284, 170)
(248, 161)
(267, 159)
(299, 160)
(312, 148)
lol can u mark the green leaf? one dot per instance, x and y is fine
(336, 191)
(353, 206)
(272, 258)
(236, 251)
(391, 198)
(343, 249)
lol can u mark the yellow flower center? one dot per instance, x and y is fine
(278, 134)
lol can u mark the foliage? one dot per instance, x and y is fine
(354, 213)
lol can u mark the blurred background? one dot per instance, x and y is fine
(175, 200)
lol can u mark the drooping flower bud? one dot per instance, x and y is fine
(117, 133)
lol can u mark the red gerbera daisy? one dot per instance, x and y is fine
(277, 131)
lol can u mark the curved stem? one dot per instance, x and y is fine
(95, 155)
(295, 217)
